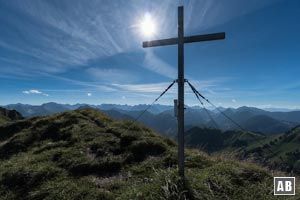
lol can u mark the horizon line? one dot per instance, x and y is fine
(191, 106)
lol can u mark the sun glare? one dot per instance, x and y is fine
(147, 25)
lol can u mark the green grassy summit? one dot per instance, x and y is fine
(83, 154)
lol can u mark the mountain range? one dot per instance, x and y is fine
(28, 110)
(161, 117)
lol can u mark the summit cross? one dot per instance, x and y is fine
(180, 40)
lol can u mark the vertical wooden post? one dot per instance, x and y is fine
(180, 92)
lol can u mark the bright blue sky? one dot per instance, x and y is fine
(72, 51)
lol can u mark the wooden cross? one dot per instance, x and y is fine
(180, 40)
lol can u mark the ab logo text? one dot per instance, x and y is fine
(284, 185)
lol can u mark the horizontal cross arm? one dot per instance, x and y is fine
(156, 43)
(189, 39)
(206, 37)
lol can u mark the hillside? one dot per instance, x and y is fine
(281, 152)
(9, 115)
(214, 140)
(284, 154)
(266, 124)
(83, 154)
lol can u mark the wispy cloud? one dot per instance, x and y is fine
(111, 75)
(33, 91)
(212, 86)
(80, 83)
(157, 65)
(145, 88)
(213, 13)
(62, 35)
(206, 86)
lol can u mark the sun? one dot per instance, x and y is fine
(147, 25)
